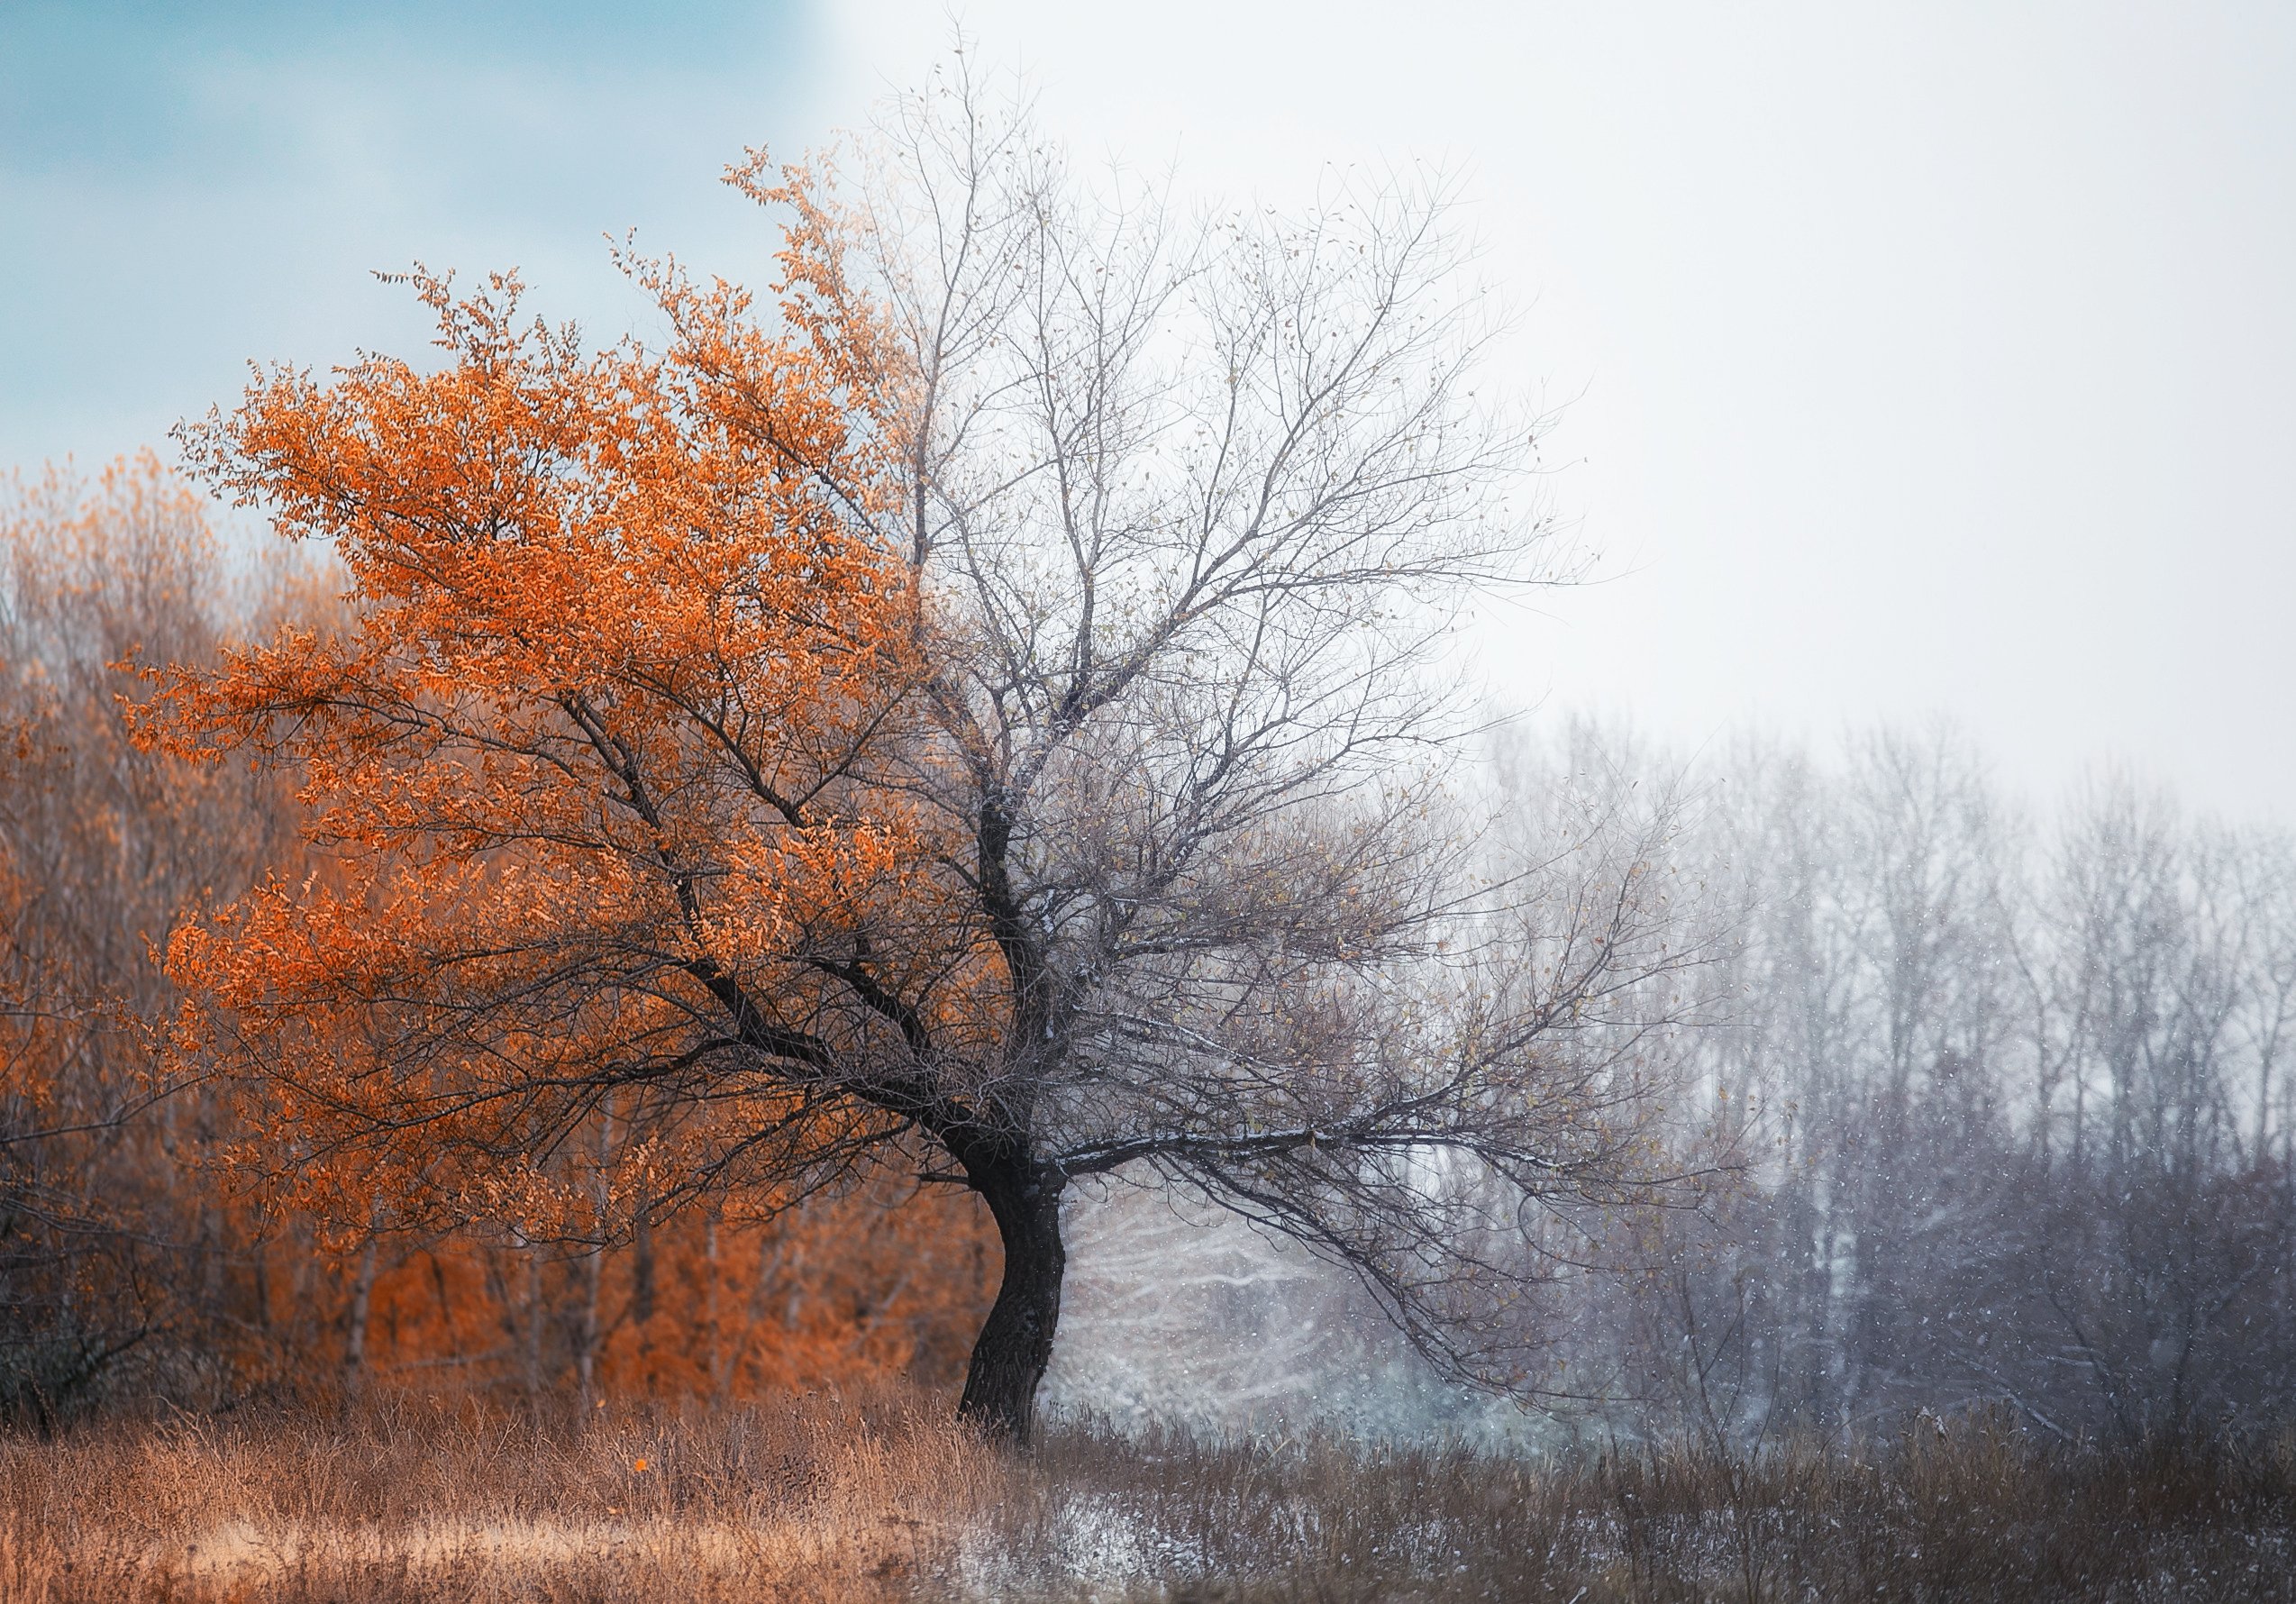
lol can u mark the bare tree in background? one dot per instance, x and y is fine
(109, 1250)
(1197, 504)
(2012, 1096)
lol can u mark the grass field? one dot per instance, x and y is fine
(835, 1500)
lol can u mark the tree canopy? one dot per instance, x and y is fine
(582, 756)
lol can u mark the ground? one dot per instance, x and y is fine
(885, 1500)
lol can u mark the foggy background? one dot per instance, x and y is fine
(1917, 357)
(1913, 358)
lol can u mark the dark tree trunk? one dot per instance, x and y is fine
(1016, 1343)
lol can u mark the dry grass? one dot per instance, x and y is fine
(828, 1501)
(883, 1500)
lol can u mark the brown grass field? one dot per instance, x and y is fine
(881, 1500)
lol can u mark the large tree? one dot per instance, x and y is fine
(1195, 505)
(995, 719)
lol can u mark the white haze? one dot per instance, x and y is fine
(2014, 1097)
(1916, 359)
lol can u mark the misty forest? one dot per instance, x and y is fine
(881, 944)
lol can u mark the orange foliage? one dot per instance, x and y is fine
(834, 1292)
(127, 1262)
(583, 759)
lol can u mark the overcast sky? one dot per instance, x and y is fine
(1918, 359)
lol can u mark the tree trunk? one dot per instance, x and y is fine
(1016, 1343)
(354, 1335)
(585, 1331)
(533, 1332)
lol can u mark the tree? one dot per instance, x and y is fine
(1194, 507)
(111, 1250)
(2012, 1090)
(983, 722)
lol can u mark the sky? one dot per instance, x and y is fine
(1912, 360)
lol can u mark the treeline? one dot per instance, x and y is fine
(2006, 1102)
(142, 1256)
(2015, 1095)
